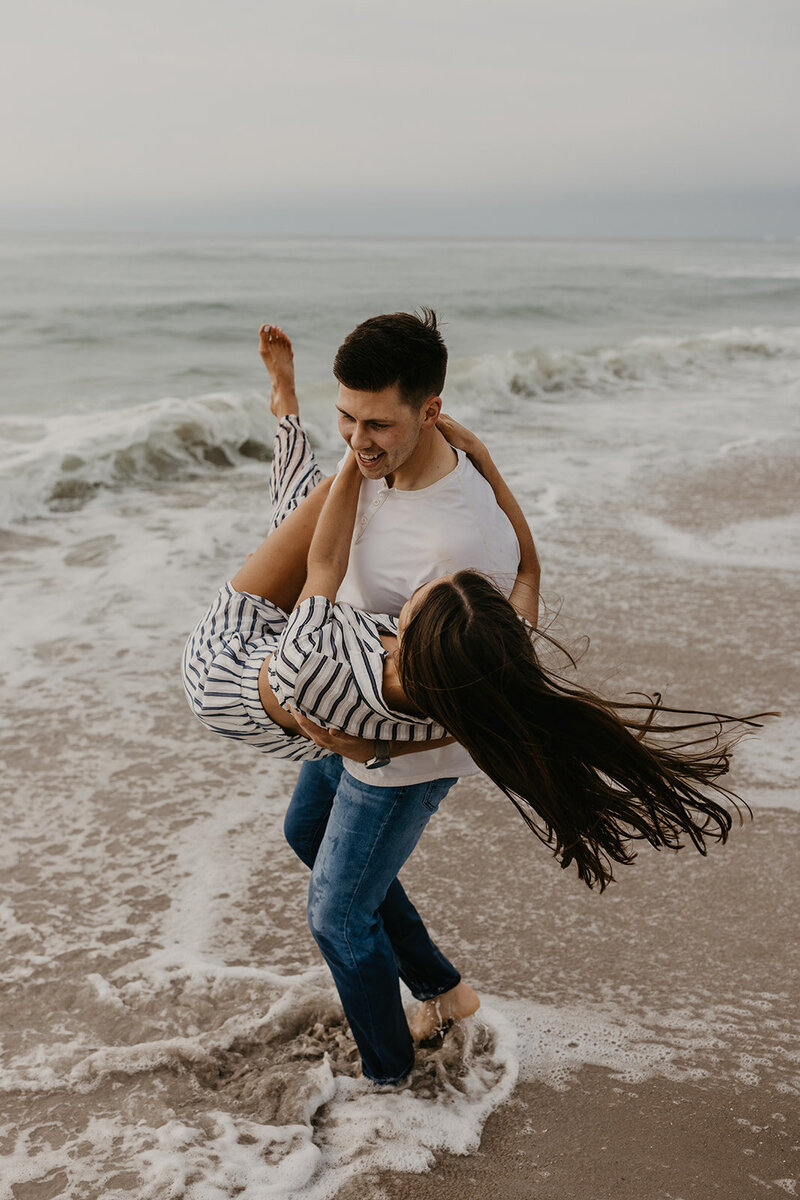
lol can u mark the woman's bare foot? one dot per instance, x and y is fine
(276, 351)
(432, 1015)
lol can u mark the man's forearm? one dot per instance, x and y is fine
(360, 749)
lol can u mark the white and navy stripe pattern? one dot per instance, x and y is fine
(294, 469)
(221, 663)
(327, 659)
(329, 665)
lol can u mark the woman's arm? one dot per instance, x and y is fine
(525, 593)
(329, 552)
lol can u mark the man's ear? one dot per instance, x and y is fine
(430, 412)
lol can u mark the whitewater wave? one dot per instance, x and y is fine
(645, 362)
(269, 1103)
(57, 463)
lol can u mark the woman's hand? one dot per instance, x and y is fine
(462, 438)
(350, 468)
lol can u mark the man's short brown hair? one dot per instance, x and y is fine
(397, 348)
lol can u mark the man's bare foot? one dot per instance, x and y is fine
(433, 1015)
(276, 351)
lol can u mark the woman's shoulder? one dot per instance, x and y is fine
(320, 629)
(373, 623)
(329, 665)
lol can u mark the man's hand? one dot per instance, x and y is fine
(360, 749)
(354, 748)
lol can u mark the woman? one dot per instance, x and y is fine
(587, 775)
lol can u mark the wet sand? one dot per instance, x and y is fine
(694, 960)
(680, 944)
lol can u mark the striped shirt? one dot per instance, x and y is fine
(221, 663)
(329, 665)
(327, 660)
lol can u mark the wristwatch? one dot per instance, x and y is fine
(382, 756)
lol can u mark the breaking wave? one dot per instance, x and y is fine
(646, 362)
(56, 464)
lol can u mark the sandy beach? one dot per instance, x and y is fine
(658, 1027)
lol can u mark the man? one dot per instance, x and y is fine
(424, 511)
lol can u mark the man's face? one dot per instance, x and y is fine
(379, 428)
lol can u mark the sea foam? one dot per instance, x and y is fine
(643, 362)
(58, 463)
(272, 1105)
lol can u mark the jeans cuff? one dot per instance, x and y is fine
(428, 994)
(389, 1082)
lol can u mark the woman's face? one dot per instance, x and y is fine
(411, 604)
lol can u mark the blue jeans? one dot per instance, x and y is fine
(356, 837)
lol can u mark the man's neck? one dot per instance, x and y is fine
(432, 459)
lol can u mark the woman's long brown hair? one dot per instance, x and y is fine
(588, 776)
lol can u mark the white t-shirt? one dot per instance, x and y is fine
(403, 539)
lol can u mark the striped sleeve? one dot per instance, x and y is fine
(221, 665)
(328, 664)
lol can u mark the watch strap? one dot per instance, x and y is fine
(382, 756)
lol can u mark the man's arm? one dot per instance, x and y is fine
(525, 593)
(360, 749)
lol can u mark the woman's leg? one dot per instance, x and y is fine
(277, 570)
(294, 473)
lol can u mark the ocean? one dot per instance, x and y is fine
(169, 1030)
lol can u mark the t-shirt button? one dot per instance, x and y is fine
(363, 520)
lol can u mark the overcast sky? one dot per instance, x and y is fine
(430, 116)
